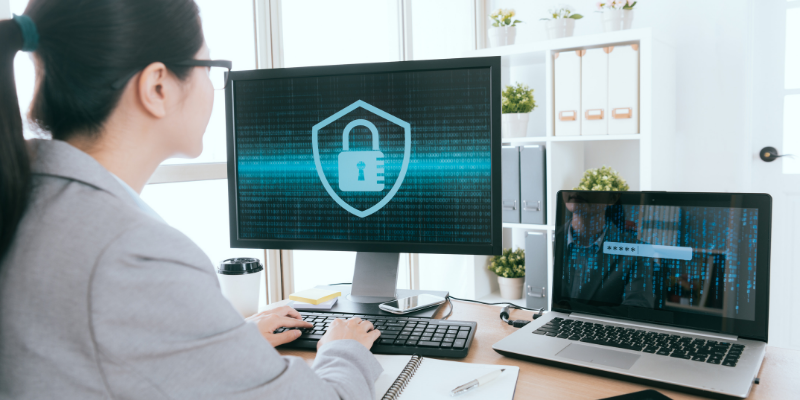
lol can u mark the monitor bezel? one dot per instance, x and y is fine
(493, 248)
(756, 330)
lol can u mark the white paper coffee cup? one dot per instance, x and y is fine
(240, 281)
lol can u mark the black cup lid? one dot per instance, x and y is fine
(239, 266)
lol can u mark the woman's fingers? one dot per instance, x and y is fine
(367, 326)
(284, 337)
(290, 312)
(276, 322)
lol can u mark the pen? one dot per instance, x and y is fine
(475, 383)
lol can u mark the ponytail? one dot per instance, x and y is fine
(15, 170)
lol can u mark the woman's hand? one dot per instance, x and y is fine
(354, 328)
(270, 320)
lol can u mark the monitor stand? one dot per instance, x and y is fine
(375, 282)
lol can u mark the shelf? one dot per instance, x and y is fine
(536, 52)
(547, 139)
(529, 226)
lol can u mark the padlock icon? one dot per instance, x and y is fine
(361, 171)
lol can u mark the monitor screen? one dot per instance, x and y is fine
(334, 158)
(686, 263)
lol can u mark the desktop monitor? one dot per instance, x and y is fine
(377, 158)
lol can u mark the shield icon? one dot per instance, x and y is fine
(403, 169)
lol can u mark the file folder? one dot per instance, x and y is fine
(532, 184)
(623, 90)
(510, 193)
(536, 270)
(594, 92)
(567, 77)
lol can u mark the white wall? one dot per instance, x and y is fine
(710, 39)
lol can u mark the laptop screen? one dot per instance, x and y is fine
(695, 260)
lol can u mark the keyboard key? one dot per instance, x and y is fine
(713, 361)
(550, 334)
(538, 332)
(649, 350)
(387, 341)
(699, 358)
(464, 328)
(447, 345)
(448, 340)
(400, 342)
(663, 352)
(411, 343)
(462, 335)
(423, 343)
(729, 363)
(459, 343)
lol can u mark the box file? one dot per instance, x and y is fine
(532, 184)
(536, 270)
(509, 160)
(623, 90)
(594, 92)
(567, 81)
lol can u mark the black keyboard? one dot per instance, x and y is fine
(685, 347)
(399, 335)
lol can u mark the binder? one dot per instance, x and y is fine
(532, 184)
(594, 92)
(623, 90)
(567, 81)
(536, 270)
(509, 160)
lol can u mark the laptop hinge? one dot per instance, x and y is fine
(644, 325)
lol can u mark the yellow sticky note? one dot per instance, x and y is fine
(314, 296)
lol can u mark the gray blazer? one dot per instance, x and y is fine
(99, 300)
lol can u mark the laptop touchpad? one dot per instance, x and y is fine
(596, 355)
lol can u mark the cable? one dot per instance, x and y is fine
(504, 312)
(449, 313)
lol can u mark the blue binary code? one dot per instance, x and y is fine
(694, 259)
(444, 197)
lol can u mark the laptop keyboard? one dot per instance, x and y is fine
(662, 344)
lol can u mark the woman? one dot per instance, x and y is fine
(98, 297)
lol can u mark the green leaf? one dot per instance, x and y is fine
(576, 16)
(495, 25)
(507, 21)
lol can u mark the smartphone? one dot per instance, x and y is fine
(411, 304)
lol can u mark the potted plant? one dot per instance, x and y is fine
(517, 104)
(510, 270)
(617, 14)
(503, 31)
(603, 178)
(562, 23)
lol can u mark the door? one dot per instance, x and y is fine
(776, 123)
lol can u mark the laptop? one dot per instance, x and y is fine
(665, 289)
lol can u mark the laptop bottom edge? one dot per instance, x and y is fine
(623, 377)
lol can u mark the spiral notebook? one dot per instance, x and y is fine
(415, 377)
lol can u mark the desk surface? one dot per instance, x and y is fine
(778, 372)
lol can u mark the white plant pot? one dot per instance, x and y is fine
(515, 125)
(617, 20)
(502, 36)
(561, 27)
(511, 288)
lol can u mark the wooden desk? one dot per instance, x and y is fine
(779, 372)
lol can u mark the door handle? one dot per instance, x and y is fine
(543, 295)
(512, 207)
(770, 154)
(526, 208)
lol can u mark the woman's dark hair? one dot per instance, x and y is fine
(84, 47)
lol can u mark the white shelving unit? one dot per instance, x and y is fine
(640, 158)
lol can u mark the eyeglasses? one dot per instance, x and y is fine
(218, 72)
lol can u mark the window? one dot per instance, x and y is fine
(339, 32)
(442, 28)
(230, 35)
